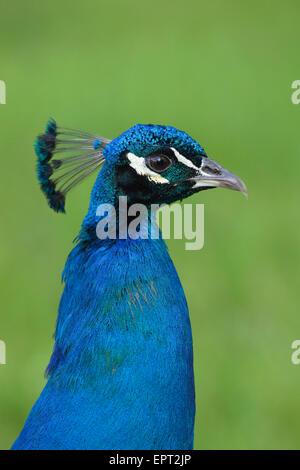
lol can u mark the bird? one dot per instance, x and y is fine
(121, 372)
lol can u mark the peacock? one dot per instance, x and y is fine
(121, 371)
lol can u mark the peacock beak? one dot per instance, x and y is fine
(212, 174)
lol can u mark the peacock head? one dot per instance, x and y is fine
(150, 164)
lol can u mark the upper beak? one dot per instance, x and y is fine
(215, 176)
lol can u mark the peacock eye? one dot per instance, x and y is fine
(159, 162)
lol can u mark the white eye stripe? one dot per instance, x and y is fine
(139, 165)
(183, 159)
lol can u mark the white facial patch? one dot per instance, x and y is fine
(139, 165)
(185, 161)
(203, 183)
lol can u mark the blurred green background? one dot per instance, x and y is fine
(222, 71)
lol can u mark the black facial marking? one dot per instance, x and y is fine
(161, 160)
(136, 187)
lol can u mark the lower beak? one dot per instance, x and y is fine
(213, 175)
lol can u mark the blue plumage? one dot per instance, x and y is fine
(121, 372)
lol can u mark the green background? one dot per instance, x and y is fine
(222, 71)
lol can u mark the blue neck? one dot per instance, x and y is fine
(123, 332)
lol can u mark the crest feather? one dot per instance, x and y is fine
(58, 173)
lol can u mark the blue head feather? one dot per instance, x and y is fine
(142, 138)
